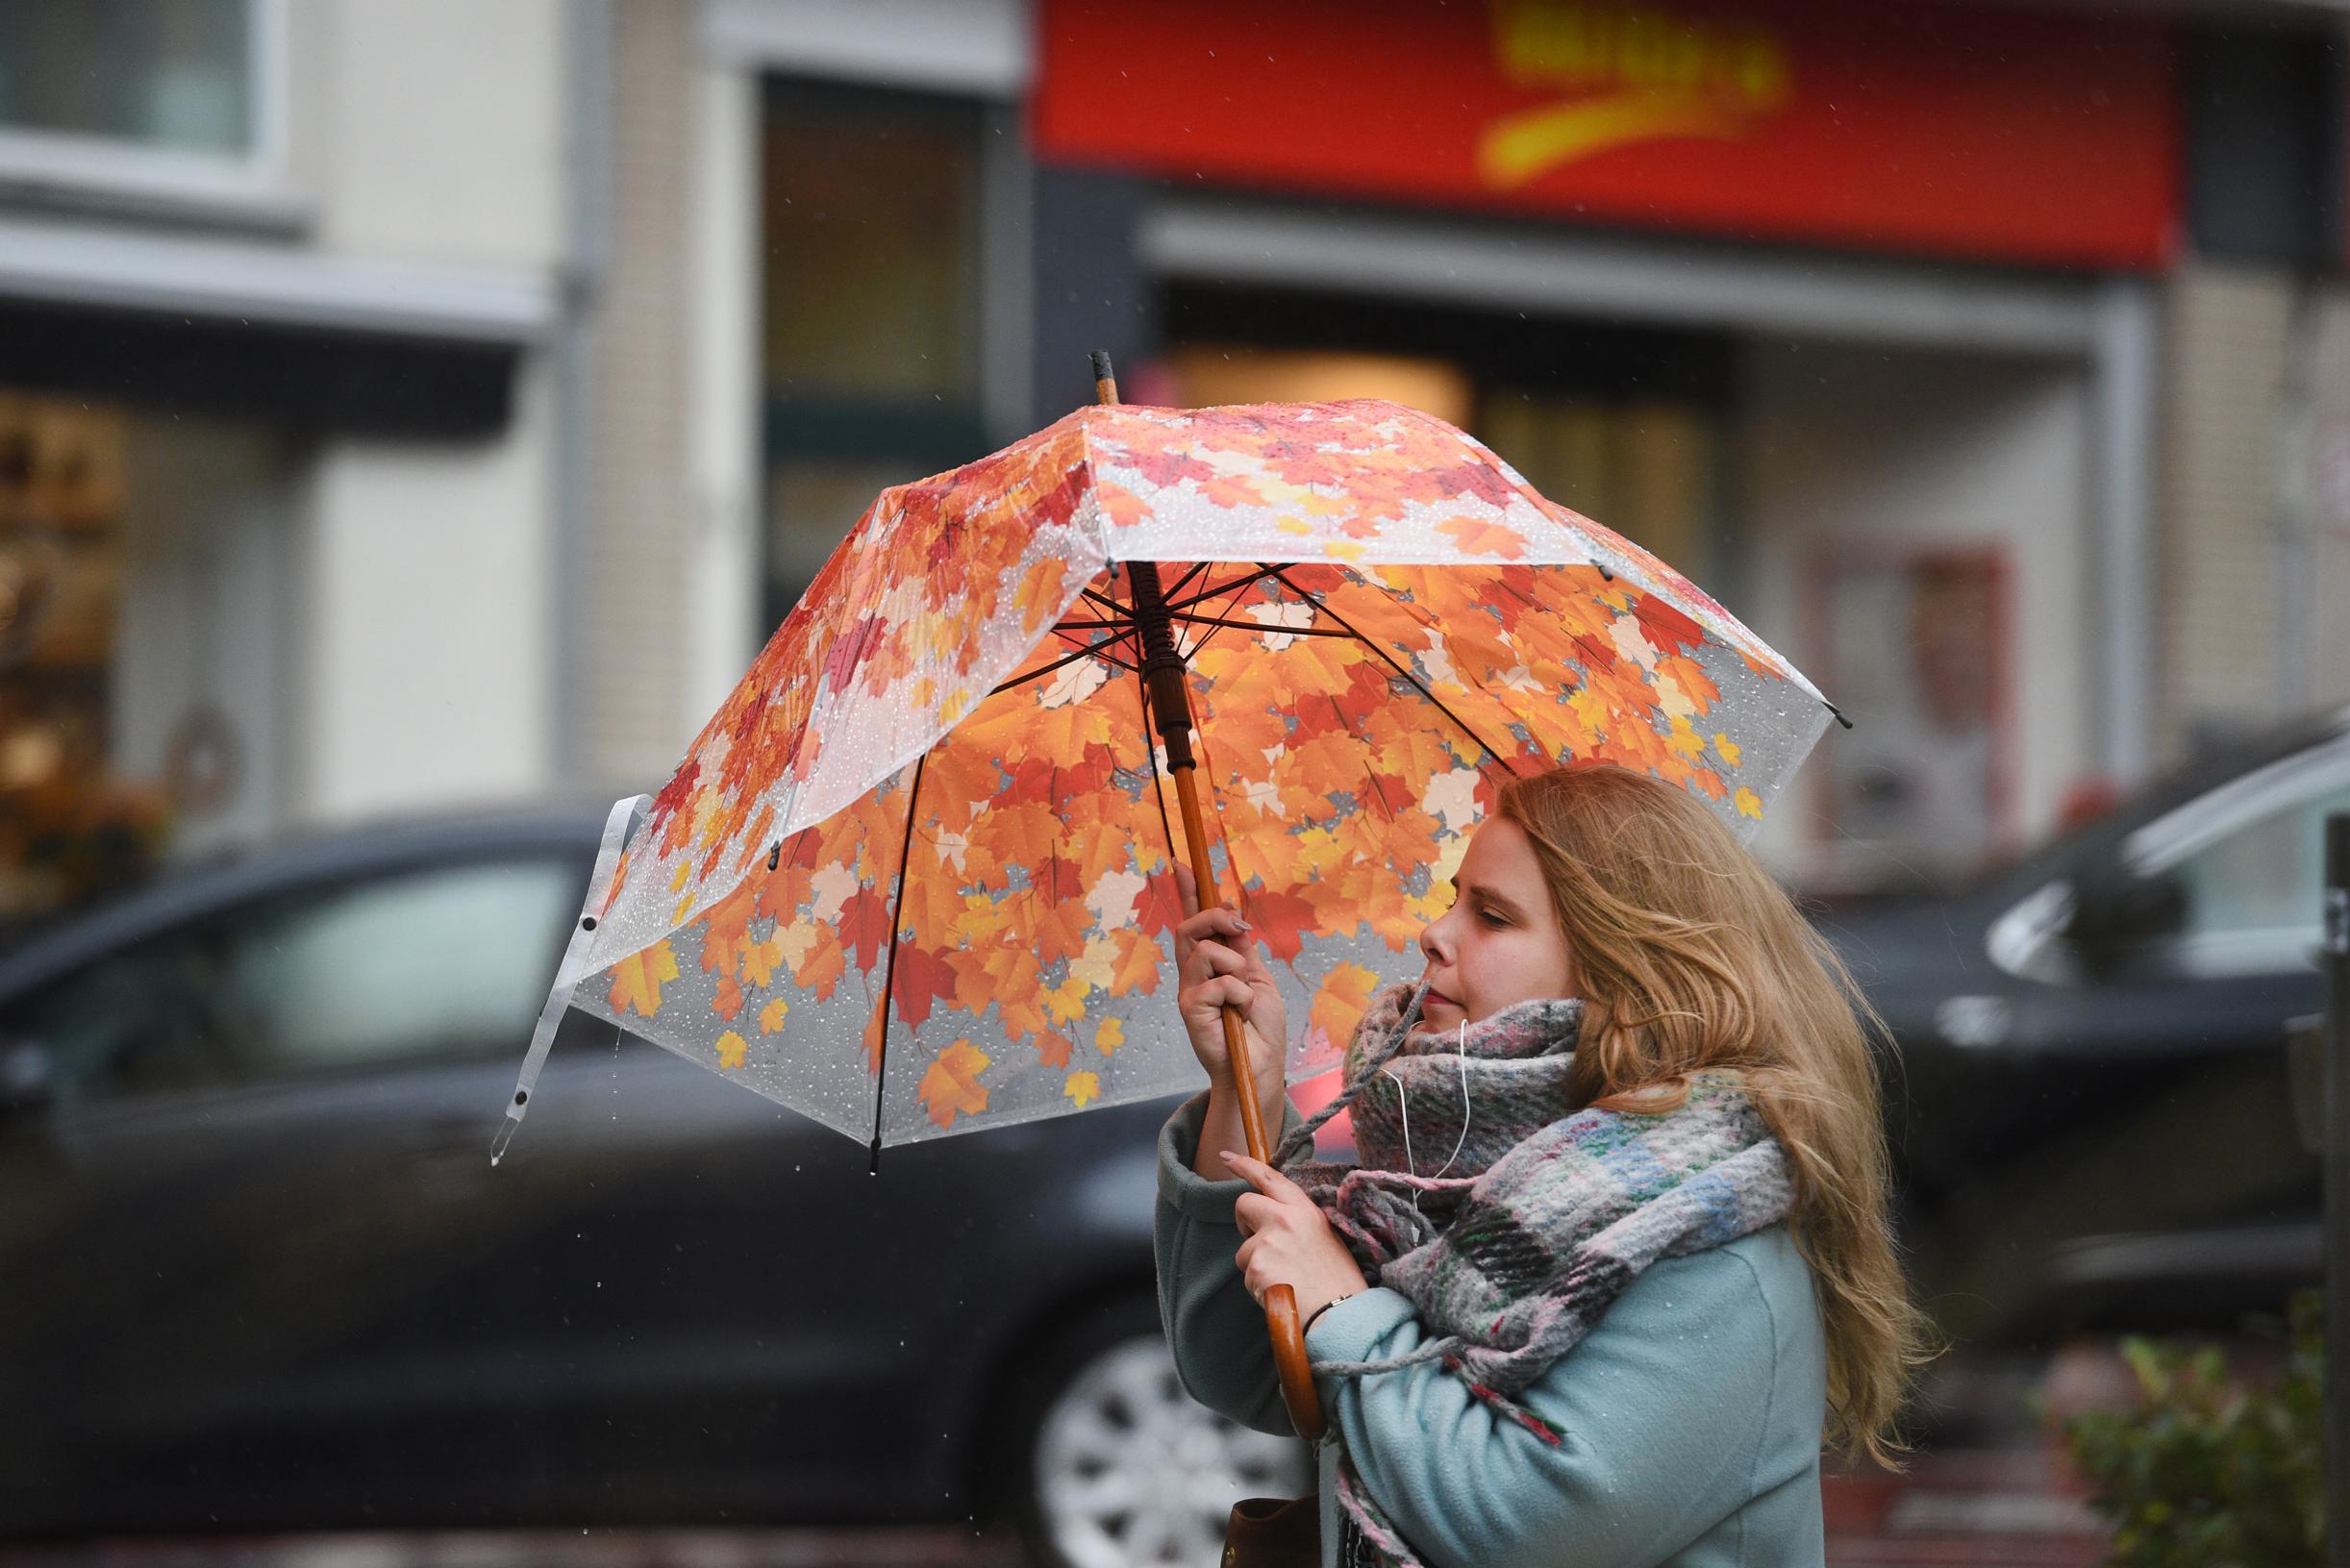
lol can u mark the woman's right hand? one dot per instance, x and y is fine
(1215, 963)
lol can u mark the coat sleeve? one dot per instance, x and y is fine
(1213, 1325)
(1662, 1411)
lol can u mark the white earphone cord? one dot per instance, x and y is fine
(1403, 1106)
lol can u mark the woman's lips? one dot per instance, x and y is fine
(1434, 995)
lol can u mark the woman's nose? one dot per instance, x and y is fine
(1432, 944)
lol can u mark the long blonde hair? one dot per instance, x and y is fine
(1692, 956)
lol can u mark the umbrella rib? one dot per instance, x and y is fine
(1111, 605)
(898, 904)
(1416, 683)
(1268, 628)
(1232, 586)
(1094, 652)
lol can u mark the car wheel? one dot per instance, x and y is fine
(1124, 1468)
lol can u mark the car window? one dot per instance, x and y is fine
(452, 961)
(2264, 879)
(427, 963)
(135, 1021)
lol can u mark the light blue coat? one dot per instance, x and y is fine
(1691, 1413)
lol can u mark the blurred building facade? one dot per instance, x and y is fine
(283, 290)
(410, 404)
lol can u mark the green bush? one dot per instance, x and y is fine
(2207, 1471)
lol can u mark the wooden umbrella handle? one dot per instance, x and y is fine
(1280, 1325)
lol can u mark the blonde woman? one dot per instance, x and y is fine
(1615, 1265)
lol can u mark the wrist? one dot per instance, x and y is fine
(1272, 1097)
(1307, 1327)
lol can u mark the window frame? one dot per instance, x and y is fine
(87, 170)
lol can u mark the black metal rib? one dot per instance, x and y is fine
(1261, 572)
(1416, 683)
(1094, 652)
(1178, 585)
(1269, 628)
(897, 902)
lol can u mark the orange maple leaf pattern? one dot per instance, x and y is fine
(638, 979)
(951, 1087)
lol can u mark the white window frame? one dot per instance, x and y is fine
(253, 189)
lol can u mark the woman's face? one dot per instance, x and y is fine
(1501, 941)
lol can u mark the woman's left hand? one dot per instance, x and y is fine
(1289, 1240)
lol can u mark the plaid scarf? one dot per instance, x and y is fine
(1510, 1227)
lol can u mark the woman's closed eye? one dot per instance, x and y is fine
(1491, 917)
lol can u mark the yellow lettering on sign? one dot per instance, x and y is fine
(1633, 73)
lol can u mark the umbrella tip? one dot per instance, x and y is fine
(873, 1157)
(1105, 383)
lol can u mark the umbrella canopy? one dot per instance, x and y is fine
(914, 876)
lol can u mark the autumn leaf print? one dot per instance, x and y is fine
(1338, 1006)
(950, 1085)
(638, 979)
(864, 926)
(1482, 536)
(919, 978)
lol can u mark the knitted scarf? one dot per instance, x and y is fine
(1510, 1227)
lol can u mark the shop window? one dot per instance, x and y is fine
(1215, 373)
(1647, 468)
(1626, 424)
(1911, 639)
(874, 288)
(67, 830)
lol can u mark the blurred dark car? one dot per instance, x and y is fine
(260, 1274)
(2094, 1120)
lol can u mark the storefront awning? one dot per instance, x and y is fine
(248, 331)
(242, 281)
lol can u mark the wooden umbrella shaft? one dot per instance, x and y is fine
(1163, 675)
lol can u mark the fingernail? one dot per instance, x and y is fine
(1244, 925)
(1226, 1156)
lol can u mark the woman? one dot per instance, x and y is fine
(1615, 1263)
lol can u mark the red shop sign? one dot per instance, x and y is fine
(1990, 131)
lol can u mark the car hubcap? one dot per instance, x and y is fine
(1130, 1469)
